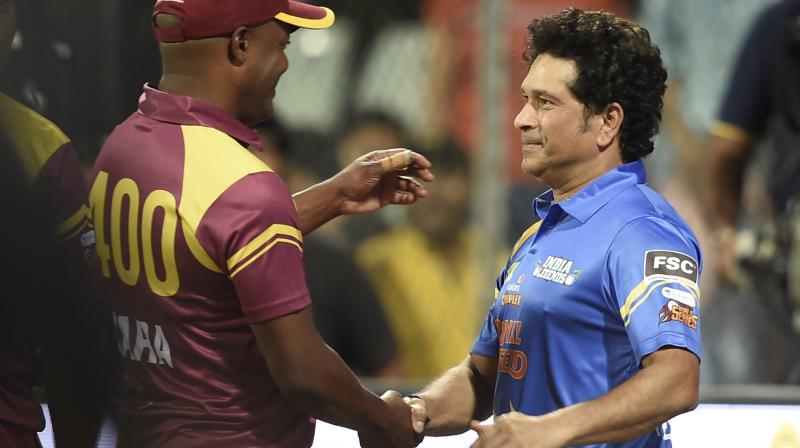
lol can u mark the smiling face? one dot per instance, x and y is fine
(557, 138)
(265, 64)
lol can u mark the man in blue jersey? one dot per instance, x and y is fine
(594, 336)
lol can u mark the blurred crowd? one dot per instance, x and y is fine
(397, 293)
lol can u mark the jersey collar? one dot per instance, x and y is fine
(185, 110)
(594, 196)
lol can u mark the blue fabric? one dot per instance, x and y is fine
(609, 277)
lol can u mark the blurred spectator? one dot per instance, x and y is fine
(699, 41)
(762, 104)
(52, 325)
(368, 131)
(346, 309)
(425, 272)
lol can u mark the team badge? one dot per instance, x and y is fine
(557, 270)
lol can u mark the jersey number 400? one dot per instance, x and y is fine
(126, 196)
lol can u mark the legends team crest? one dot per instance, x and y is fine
(557, 270)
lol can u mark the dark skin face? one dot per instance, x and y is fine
(259, 59)
(8, 27)
(237, 74)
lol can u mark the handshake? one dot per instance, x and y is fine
(402, 426)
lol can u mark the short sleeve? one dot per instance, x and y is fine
(252, 232)
(747, 101)
(486, 343)
(652, 276)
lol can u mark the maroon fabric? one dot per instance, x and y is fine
(16, 437)
(175, 109)
(207, 18)
(218, 390)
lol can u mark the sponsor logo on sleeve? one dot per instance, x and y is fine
(673, 311)
(667, 262)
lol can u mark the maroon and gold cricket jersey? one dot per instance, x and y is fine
(53, 173)
(197, 239)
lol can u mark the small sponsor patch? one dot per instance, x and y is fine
(88, 239)
(667, 262)
(684, 297)
(678, 312)
(557, 270)
(512, 299)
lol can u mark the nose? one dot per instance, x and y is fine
(526, 118)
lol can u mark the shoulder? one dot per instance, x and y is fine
(647, 219)
(34, 138)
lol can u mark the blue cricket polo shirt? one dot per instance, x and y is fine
(605, 278)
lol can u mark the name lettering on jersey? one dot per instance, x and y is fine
(678, 312)
(509, 331)
(671, 263)
(556, 270)
(150, 344)
(512, 362)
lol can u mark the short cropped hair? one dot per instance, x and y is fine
(616, 62)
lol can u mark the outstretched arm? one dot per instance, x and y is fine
(666, 386)
(371, 182)
(460, 395)
(313, 377)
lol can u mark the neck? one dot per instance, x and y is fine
(186, 85)
(582, 176)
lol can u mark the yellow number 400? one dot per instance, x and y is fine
(129, 270)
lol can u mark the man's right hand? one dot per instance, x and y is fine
(398, 431)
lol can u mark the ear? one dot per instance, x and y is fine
(610, 125)
(239, 45)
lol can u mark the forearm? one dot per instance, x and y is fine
(317, 205)
(649, 398)
(328, 390)
(455, 398)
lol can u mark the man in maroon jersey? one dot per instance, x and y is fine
(46, 313)
(200, 245)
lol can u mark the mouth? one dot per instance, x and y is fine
(529, 145)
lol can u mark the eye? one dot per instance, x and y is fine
(286, 44)
(545, 102)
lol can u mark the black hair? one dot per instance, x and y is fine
(616, 62)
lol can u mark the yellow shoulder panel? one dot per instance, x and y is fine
(525, 235)
(213, 161)
(33, 137)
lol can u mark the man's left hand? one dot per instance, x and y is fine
(517, 430)
(380, 178)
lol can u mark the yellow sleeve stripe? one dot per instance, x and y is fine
(263, 251)
(197, 250)
(259, 241)
(525, 235)
(731, 132)
(645, 288)
(75, 232)
(79, 218)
